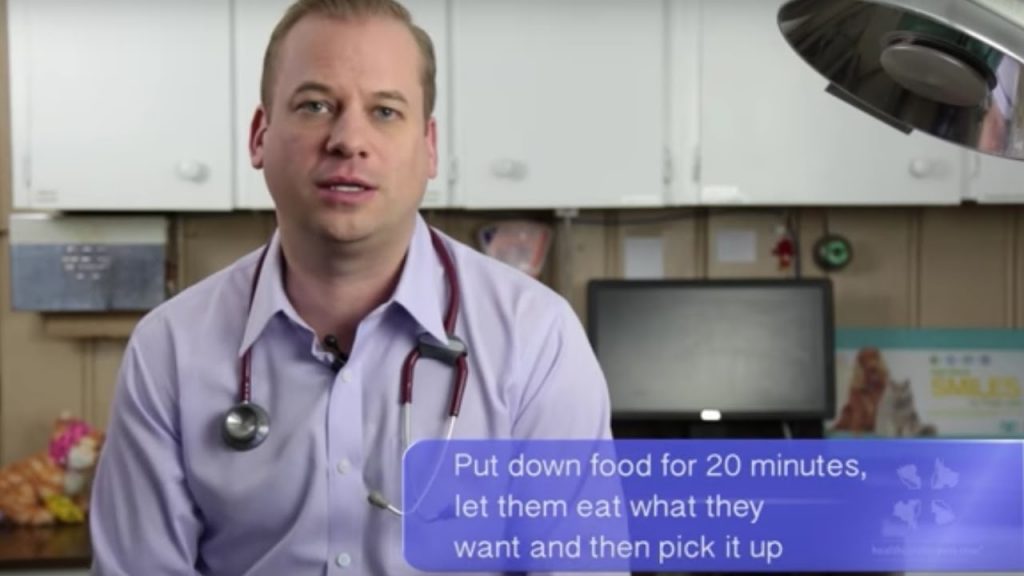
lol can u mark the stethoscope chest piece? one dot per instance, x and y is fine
(246, 426)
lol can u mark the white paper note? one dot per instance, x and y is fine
(643, 257)
(736, 246)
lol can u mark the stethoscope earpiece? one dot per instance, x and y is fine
(246, 426)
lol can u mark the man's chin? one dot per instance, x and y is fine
(351, 229)
(346, 234)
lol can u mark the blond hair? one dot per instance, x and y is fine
(351, 10)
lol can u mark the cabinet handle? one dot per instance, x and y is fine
(509, 169)
(192, 170)
(921, 168)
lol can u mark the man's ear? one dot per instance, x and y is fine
(432, 147)
(257, 129)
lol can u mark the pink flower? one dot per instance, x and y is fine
(61, 446)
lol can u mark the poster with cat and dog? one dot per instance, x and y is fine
(929, 383)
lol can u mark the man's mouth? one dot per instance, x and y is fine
(345, 184)
(351, 188)
(346, 190)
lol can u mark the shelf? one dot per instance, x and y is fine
(87, 326)
(60, 546)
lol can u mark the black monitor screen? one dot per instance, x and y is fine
(748, 349)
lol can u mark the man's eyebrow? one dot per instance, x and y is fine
(391, 95)
(311, 86)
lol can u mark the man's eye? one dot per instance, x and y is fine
(385, 113)
(314, 106)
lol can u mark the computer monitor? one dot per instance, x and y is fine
(698, 350)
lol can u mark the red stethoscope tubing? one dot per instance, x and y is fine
(461, 370)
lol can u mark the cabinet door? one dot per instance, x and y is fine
(771, 135)
(992, 180)
(684, 101)
(121, 105)
(432, 16)
(254, 21)
(559, 103)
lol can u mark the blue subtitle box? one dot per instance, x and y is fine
(714, 506)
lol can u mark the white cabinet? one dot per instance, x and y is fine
(254, 21)
(992, 180)
(684, 101)
(771, 135)
(559, 103)
(120, 105)
(432, 16)
(147, 105)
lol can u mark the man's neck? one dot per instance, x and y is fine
(334, 286)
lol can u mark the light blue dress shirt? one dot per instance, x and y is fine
(171, 498)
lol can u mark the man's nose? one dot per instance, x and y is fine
(349, 135)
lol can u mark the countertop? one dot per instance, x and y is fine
(62, 546)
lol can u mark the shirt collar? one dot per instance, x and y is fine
(269, 297)
(421, 289)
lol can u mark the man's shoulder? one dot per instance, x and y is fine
(488, 280)
(216, 298)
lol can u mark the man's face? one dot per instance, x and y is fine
(345, 148)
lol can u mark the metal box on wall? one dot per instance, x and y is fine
(87, 263)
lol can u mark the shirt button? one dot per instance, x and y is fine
(343, 560)
(346, 375)
(344, 466)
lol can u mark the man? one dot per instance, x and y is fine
(317, 328)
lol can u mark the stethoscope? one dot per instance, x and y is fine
(247, 424)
